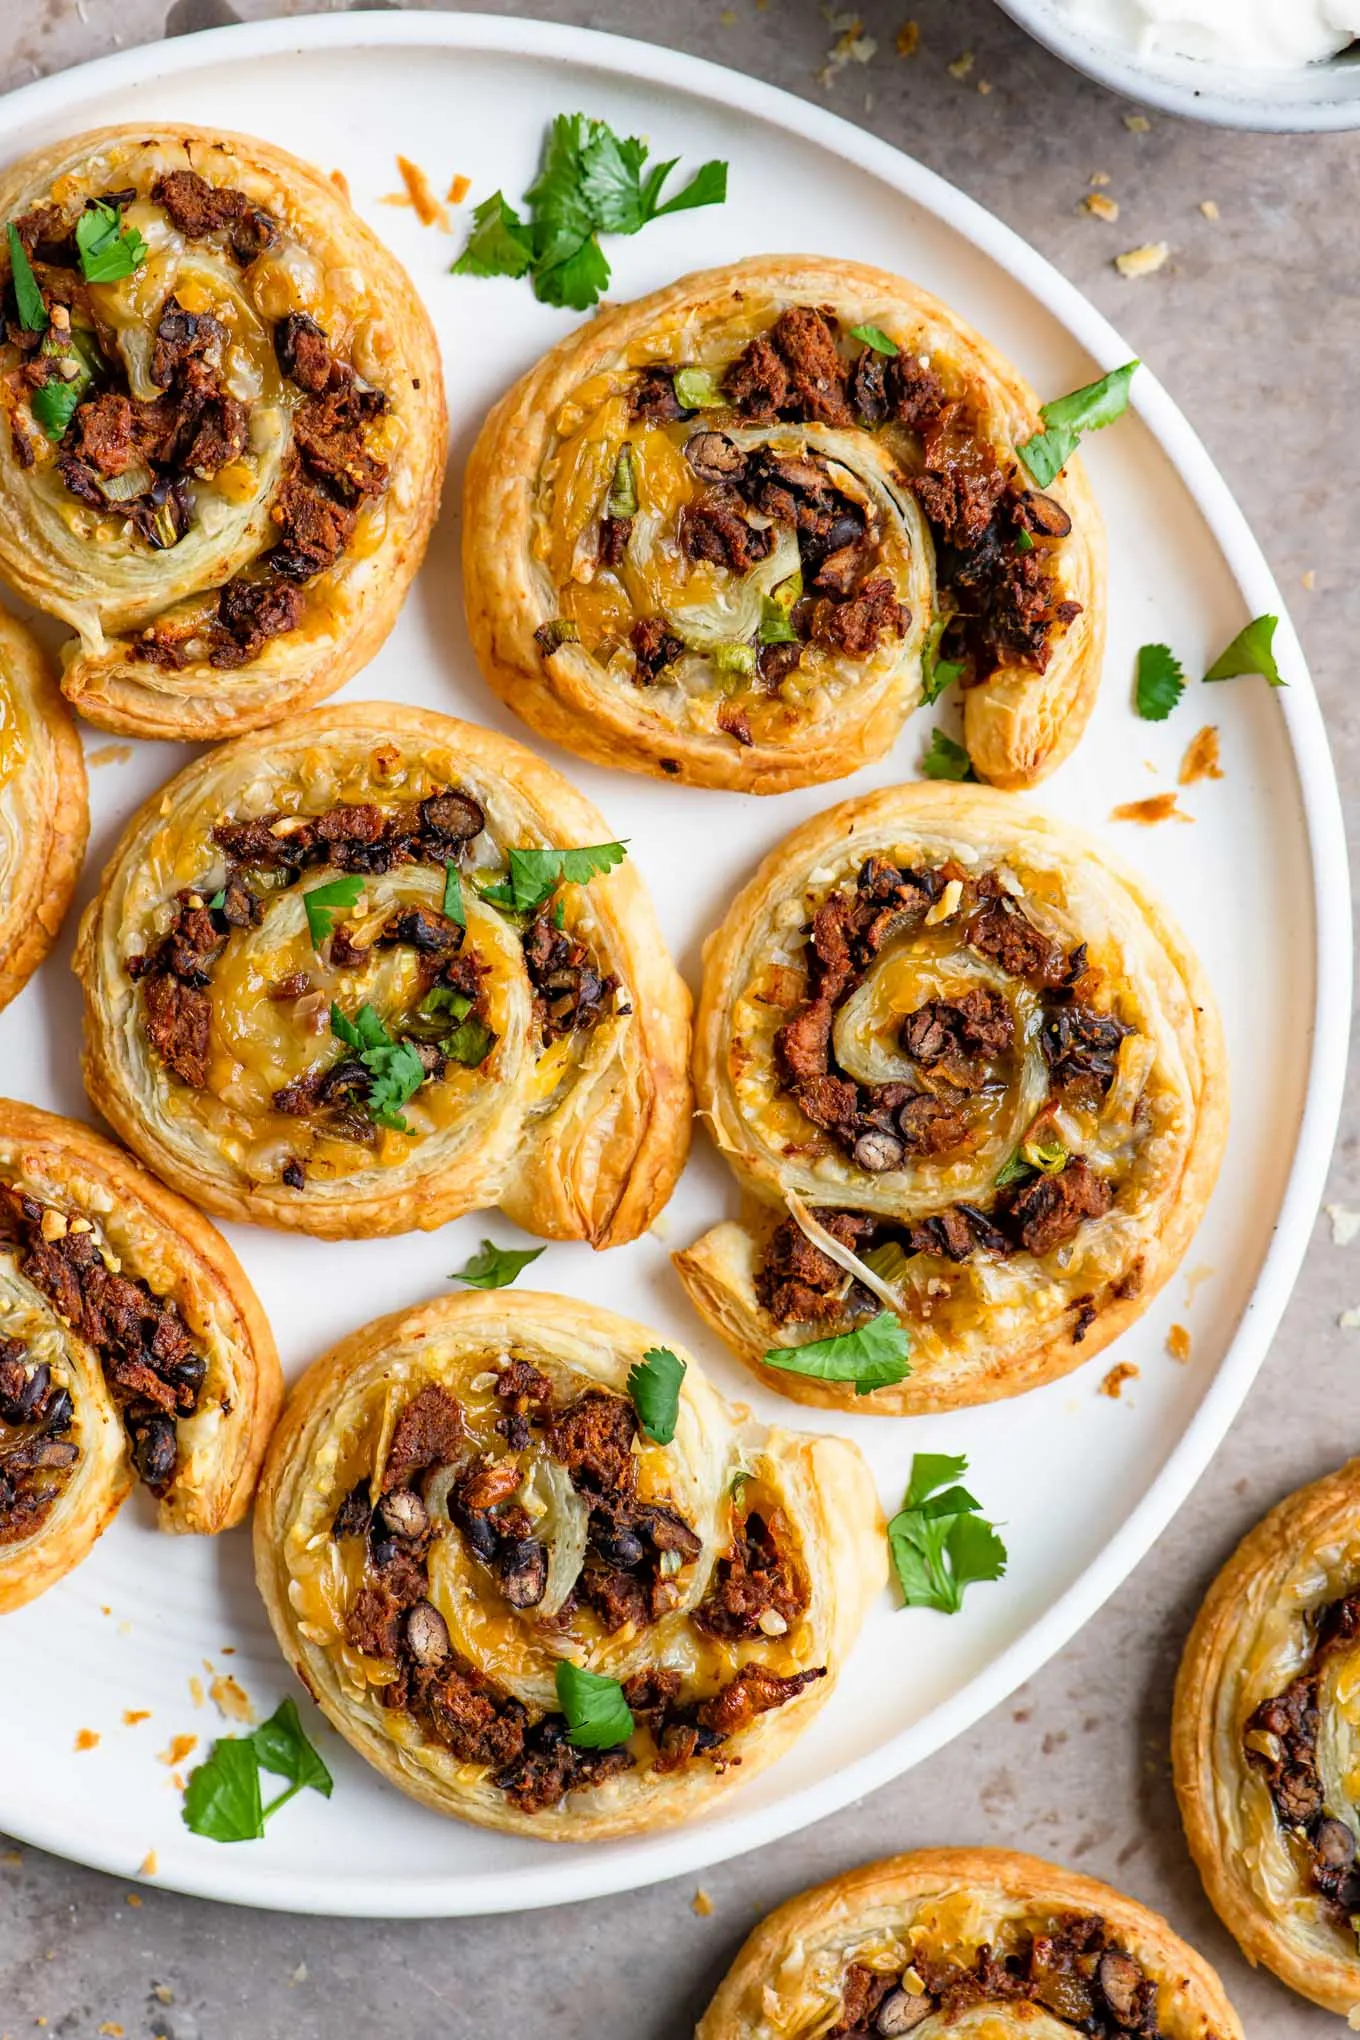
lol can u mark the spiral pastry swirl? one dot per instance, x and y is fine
(132, 1348)
(967, 1944)
(722, 536)
(1266, 1742)
(44, 809)
(221, 426)
(966, 1070)
(303, 1008)
(462, 1498)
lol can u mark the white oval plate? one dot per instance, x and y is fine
(1082, 1483)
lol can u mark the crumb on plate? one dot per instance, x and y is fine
(1178, 1343)
(1100, 206)
(701, 1903)
(1201, 760)
(179, 1749)
(908, 39)
(86, 1739)
(1158, 807)
(1113, 1384)
(1143, 260)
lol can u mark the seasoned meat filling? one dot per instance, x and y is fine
(1282, 1746)
(36, 1451)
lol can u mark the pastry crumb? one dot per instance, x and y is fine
(419, 195)
(1100, 206)
(86, 1739)
(961, 65)
(852, 46)
(1349, 1320)
(1143, 260)
(1098, 178)
(132, 1715)
(108, 754)
(984, 86)
(11, 1858)
(1113, 1384)
(162, 1993)
(341, 183)
(458, 189)
(300, 1974)
(1178, 1343)
(908, 39)
(1195, 1280)
(230, 1699)
(113, 2030)
(1345, 1223)
(1201, 760)
(179, 1749)
(1308, 580)
(196, 1689)
(1158, 807)
(133, 1899)
(1138, 123)
(1208, 208)
(701, 1903)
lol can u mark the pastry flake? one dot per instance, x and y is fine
(44, 808)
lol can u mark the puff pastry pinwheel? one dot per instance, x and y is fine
(967, 1944)
(44, 811)
(721, 536)
(544, 1577)
(969, 1073)
(221, 425)
(356, 977)
(1266, 1742)
(132, 1348)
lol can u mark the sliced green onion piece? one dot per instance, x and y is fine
(135, 481)
(697, 389)
(1049, 1157)
(775, 611)
(623, 496)
(560, 631)
(888, 1262)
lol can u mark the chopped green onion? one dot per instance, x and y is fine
(1049, 1157)
(623, 496)
(560, 631)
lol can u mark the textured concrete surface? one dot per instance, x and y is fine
(1251, 324)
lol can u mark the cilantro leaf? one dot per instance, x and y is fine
(1067, 418)
(535, 874)
(222, 1796)
(654, 1385)
(1016, 1170)
(495, 1267)
(470, 1043)
(937, 673)
(940, 1544)
(499, 244)
(54, 405)
(453, 895)
(577, 282)
(27, 295)
(598, 1716)
(875, 337)
(1251, 651)
(283, 1748)
(873, 1357)
(444, 999)
(107, 251)
(946, 760)
(324, 902)
(590, 182)
(395, 1070)
(1160, 682)
(218, 901)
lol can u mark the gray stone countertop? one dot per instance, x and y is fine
(1251, 324)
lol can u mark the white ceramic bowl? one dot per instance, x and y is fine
(1314, 97)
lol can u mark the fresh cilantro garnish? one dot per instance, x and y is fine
(946, 760)
(875, 337)
(873, 1357)
(444, 999)
(107, 251)
(495, 1267)
(654, 1384)
(1023, 542)
(937, 673)
(1016, 1170)
(54, 403)
(590, 182)
(535, 874)
(222, 1799)
(470, 1044)
(395, 1069)
(324, 902)
(598, 1716)
(1251, 651)
(453, 895)
(218, 901)
(940, 1544)
(1067, 418)
(27, 296)
(1160, 682)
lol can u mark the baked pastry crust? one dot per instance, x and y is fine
(1256, 1635)
(155, 652)
(77, 1183)
(535, 552)
(343, 1427)
(577, 1131)
(1109, 1062)
(942, 1905)
(44, 809)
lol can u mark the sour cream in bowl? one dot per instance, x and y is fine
(1282, 64)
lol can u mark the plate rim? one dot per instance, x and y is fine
(630, 1865)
